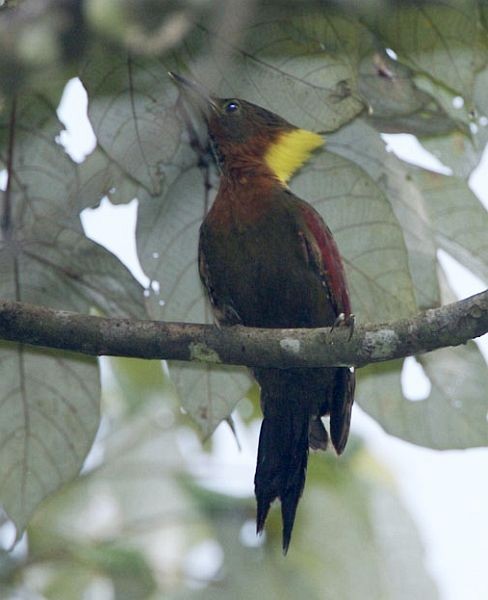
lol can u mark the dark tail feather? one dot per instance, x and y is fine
(340, 411)
(282, 465)
(294, 486)
(266, 486)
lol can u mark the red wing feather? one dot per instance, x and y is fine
(332, 268)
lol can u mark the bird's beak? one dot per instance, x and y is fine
(196, 94)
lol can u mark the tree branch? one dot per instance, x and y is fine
(449, 325)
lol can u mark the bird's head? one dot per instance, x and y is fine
(245, 135)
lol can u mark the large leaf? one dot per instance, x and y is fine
(131, 109)
(395, 103)
(367, 232)
(454, 413)
(167, 241)
(49, 401)
(459, 220)
(439, 39)
(300, 65)
(360, 144)
(45, 257)
(462, 149)
(49, 410)
(44, 176)
(99, 176)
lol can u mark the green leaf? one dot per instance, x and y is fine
(44, 256)
(167, 243)
(458, 218)
(49, 410)
(49, 401)
(132, 111)
(395, 102)
(454, 413)
(44, 175)
(61, 268)
(301, 65)
(210, 394)
(367, 232)
(361, 144)
(462, 150)
(99, 176)
(440, 40)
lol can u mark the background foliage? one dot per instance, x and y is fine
(349, 72)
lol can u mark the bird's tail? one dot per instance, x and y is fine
(282, 458)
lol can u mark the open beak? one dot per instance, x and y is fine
(196, 94)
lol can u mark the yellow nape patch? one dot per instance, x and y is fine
(290, 151)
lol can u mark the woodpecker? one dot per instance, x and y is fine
(267, 259)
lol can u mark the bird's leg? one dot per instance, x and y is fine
(343, 321)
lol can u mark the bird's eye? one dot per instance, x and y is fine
(232, 106)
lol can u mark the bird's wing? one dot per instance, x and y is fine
(323, 252)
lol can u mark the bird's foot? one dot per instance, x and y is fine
(343, 321)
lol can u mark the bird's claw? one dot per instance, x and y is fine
(343, 321)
